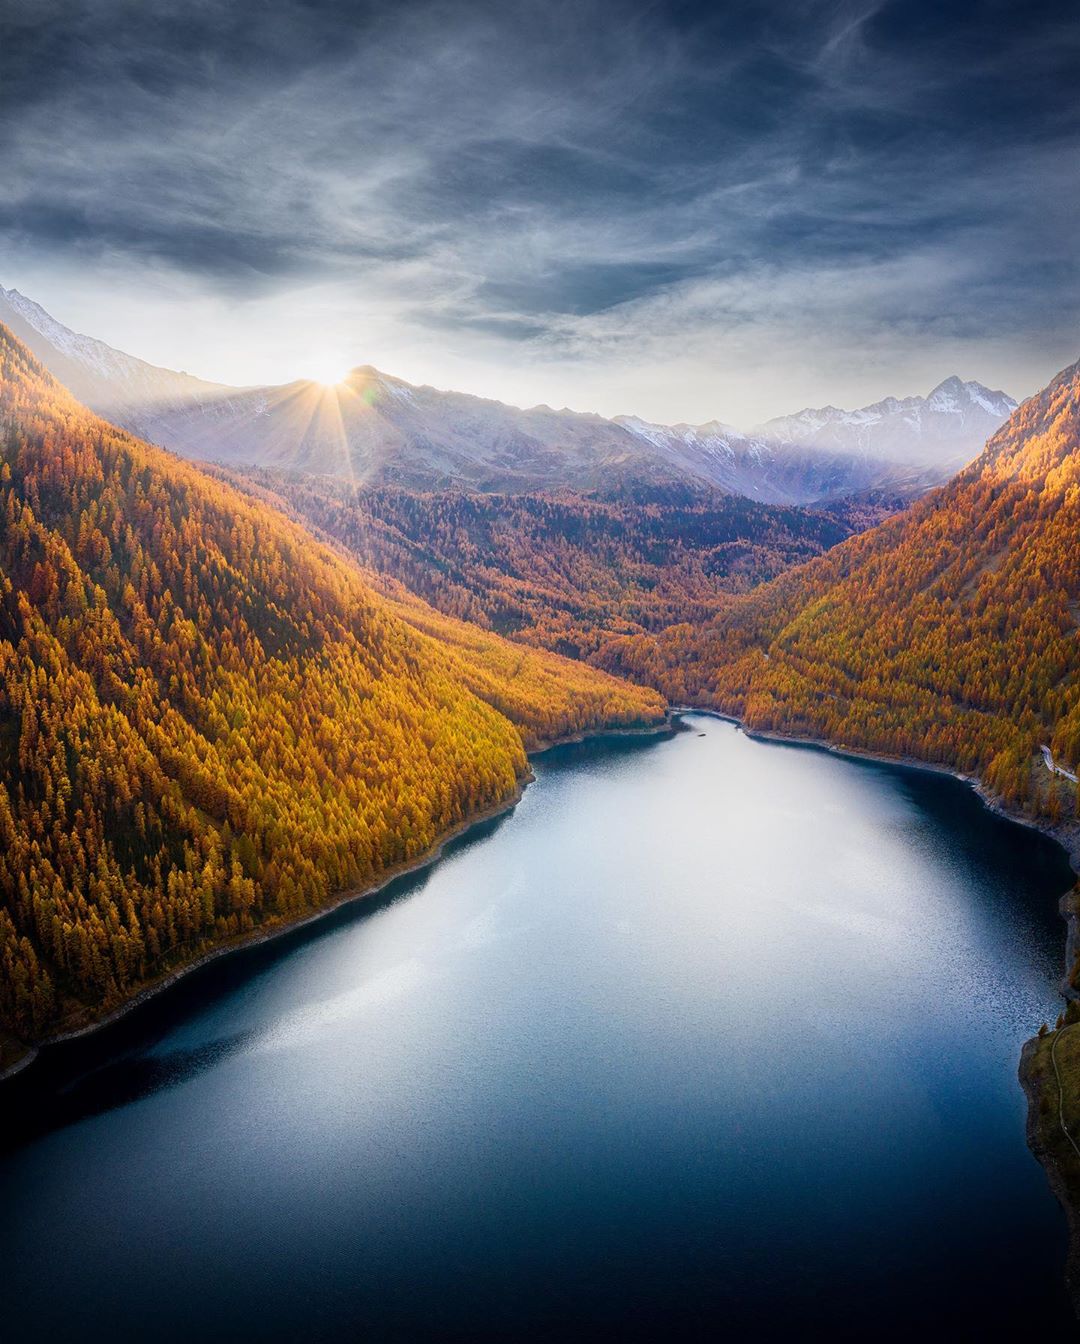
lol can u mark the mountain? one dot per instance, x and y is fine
(779, 473)
(95, 373)
(380, 430)
(377, 429)
(209, 723)
(949, 633)
(561, 571)
(948, 426)
(372, 427)
(907, 446)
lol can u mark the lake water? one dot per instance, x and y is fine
(709, 1036)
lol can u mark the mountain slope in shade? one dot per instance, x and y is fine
(208, 722)
(378, 429)
(559, 571)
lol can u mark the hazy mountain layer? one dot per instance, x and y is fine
(945, 425)
(378, 429)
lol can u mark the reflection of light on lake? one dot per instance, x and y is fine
(703, 1025)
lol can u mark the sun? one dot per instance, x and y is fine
(328, 371)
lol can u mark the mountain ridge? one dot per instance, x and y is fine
(375, 427)
(876, 425)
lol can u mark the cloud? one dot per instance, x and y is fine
(711, 209)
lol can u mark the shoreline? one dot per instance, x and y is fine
(267, 933)
(1062, 1174)
(1068, 837)
(1042, 1125)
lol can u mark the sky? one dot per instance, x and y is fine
(680, 211)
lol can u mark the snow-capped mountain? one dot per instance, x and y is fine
(777, 472)
(377, 428)
(949, 425)
(97, 374)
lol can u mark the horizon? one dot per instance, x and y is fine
(550, 406)
(653, 210)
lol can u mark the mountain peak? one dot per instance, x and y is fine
(954, 394)
(944, 429)
(426, 436)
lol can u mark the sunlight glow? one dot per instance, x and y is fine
(329, 370)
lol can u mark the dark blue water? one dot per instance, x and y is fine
(709, 1036)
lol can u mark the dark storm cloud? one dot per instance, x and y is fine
(563, 173)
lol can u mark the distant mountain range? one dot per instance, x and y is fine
(379, 429)
(949, 633)
(953, 416)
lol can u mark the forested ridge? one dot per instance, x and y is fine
(565, 571)
(948, 634)
(208, 721)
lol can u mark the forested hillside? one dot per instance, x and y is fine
(208, 721)
(566, 571)
(948, 634)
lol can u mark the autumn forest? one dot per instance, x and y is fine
(228, 696)
(209, 722)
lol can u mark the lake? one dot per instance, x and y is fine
(709, 1035)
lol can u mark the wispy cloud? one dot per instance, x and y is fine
(682, 211)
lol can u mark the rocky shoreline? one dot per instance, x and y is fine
(1048, 1080)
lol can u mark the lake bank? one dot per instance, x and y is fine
(1049, 1073)
(269, 931)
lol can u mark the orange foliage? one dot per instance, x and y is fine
(948, 634)
(563, 571)
(208, 722)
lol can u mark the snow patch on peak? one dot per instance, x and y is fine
(85, 349)
(658, 435)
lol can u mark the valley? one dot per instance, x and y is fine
(539, 672)
(241, 694)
